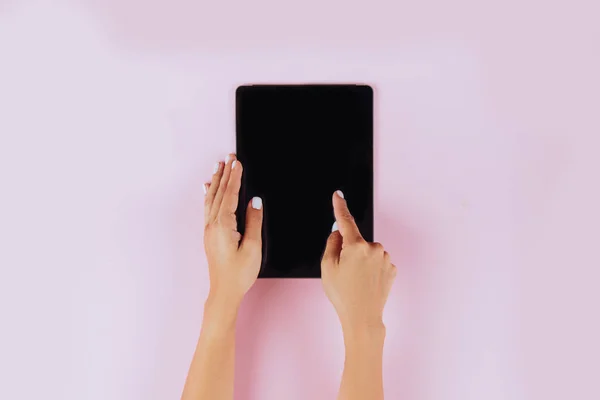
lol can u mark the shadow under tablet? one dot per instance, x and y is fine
(298, 144)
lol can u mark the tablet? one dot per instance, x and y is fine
(298, 144)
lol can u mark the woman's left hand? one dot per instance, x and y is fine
(233, 261)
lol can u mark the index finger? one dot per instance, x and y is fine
(348, 229)
(232, 193)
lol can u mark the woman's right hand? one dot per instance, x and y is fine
(357, 276)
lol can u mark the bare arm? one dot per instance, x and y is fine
(357, 277)
(233, 269)
(362, 378)
(211, 372)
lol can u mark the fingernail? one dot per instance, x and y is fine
(233, 164)
(340, 193)
(228, 158)
(205, 187)
(256, 203)
(334, 227)
(216, 169)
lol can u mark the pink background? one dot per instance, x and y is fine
(113, 112)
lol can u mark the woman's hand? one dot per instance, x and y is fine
(233, 265)
(233, 268)
(357, 276)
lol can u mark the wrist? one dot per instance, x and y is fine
(220, 313)
(222, 301)
(365, 332)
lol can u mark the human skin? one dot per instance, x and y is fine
(233, 264)
(356, 275)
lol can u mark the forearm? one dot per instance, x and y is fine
(363, 376)
(211, 372)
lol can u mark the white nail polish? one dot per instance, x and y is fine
(205, 187)
(340, 193)
(256, 203)
(334, 227)
(234, 163)
(216, 169)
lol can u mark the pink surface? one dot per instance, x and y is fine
(112, 114)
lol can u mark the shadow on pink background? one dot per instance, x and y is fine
(487, 132)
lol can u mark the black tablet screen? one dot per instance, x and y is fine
(298, 144)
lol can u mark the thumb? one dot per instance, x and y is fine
(252, 239)
(333, 247)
